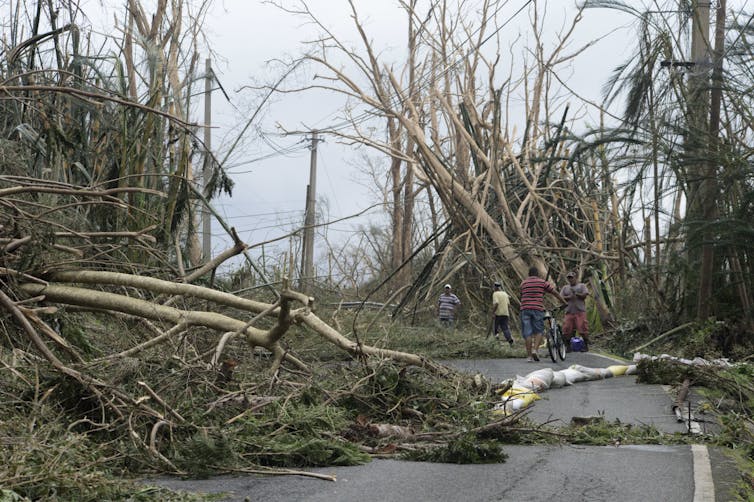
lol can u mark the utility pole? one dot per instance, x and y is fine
(698, 204)
(708, 189)
(307, 251)
(206, 171)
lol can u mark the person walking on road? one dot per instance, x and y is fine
(447, 307)
(575, 293)
(500, 303)
(533, 290)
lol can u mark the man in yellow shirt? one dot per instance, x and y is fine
(500, 303)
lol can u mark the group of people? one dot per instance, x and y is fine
(533, 289)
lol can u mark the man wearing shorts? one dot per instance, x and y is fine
(533, 290)
(575, 294)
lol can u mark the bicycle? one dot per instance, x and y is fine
(556, 346)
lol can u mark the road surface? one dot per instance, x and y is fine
(532, 473)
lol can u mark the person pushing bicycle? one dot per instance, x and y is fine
(533, 290)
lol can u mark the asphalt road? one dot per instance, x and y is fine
(618, 398)
(531, 473)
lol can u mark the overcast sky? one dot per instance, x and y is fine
(246, 35)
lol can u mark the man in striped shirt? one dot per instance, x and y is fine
(533, 290)
(447, 306)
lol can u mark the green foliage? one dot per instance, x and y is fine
(465, 449)
(205, 453)
(737, 434)
(285, 435)
(390, 394)
(314, 420)
(42, 460)
(603, 433)
(11, 496)
(303, 451)
(662, 372)
(702, 341)
(76, 336)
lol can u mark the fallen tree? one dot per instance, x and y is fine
(268, 339)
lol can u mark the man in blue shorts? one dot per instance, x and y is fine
(533, 290)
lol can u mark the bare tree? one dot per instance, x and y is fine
(511, 201)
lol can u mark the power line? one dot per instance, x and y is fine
(278, 151)
(259, 215)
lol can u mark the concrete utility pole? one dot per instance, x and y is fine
(307, 251)
(699, 152)
(708, 189)
(206, 171)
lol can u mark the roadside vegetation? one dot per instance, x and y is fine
(124, 351)
(61, 441)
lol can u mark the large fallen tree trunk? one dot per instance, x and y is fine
(269, 339)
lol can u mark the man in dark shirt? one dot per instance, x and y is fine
(533, 290)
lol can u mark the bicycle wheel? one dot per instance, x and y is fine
(552, 347)
(560, 343)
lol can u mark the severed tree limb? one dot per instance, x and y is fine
(179, 255)
(153, 439)
(67, 249)
(232, 334)
(663, 335)
(162, 402)
(51, 333)
(19, 275)
(354, 348)
(11, 307)
(237, 248)
(86, 381)
(13, 244)
(281, 472)
(107, 194)
(158, 286)
(267, 339)
(135, 235)
(141, 308)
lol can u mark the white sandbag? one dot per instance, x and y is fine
(697, 361)
(603, 373)
(631, 370)
(521, 381)
(558, 380)
(508, 407)
(537, 380)
(618, 369)
(573, 376)
(515, 399)
(592, 373)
